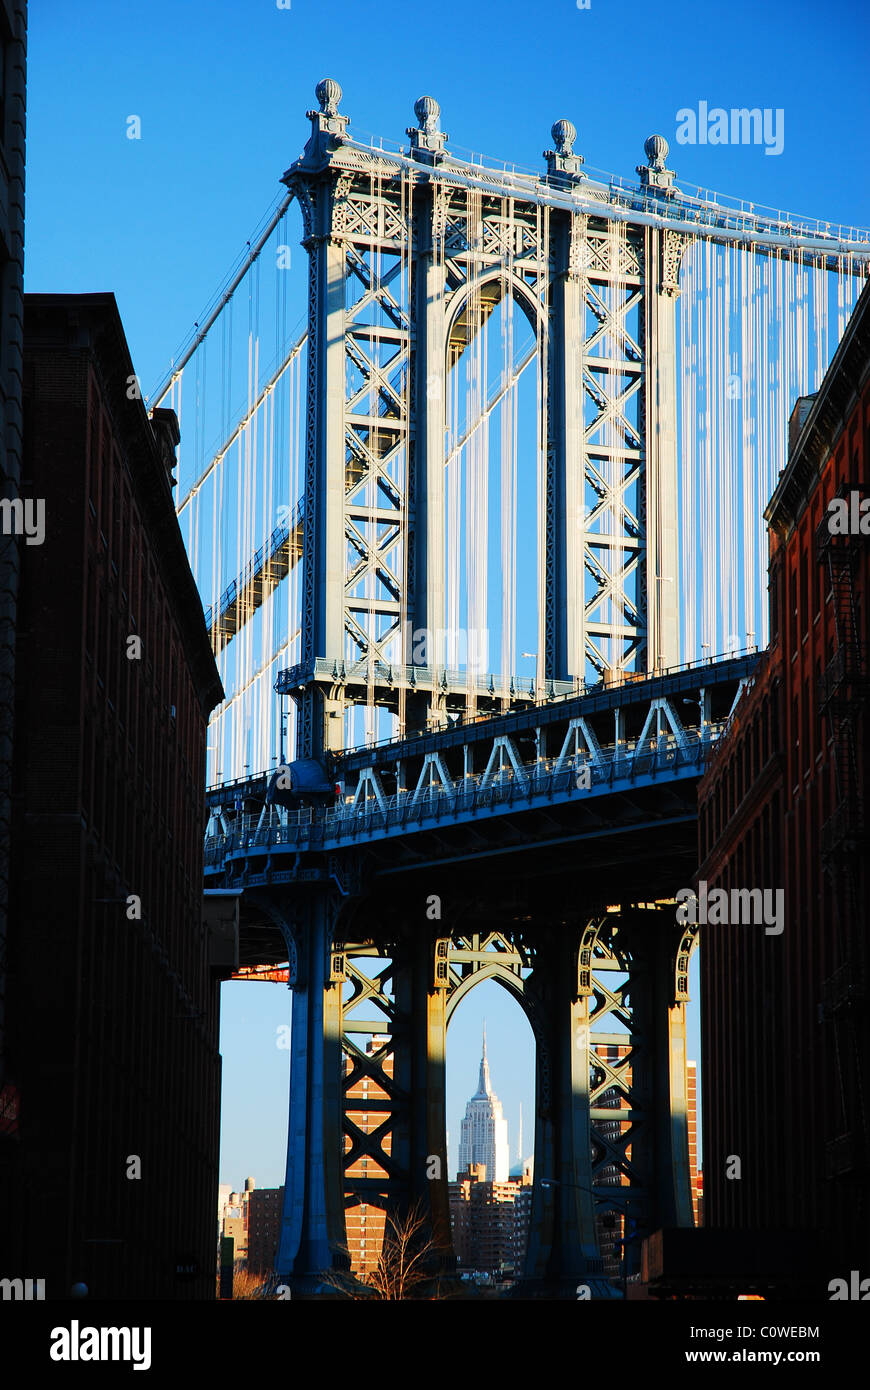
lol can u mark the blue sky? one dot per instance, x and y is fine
(222, 87)
(221, 90)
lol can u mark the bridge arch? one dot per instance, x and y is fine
(501, 975)
(509, 1075)
(494, 363)
(500, 283)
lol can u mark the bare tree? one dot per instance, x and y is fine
(246, 1284)
(405, 1261)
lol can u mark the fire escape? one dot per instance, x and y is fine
(843, 697)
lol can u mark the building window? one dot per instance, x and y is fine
(793, 612)
(774, 605)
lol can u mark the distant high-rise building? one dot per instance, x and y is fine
(490, 1221)
(484, 1133)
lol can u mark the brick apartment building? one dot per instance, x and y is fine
(233, 1212)
(112, 1000)
(783, 806)
(265, 1211)
(490, 1221)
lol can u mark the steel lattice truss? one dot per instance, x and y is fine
(613, 379)
(407, 264)
(377, 335)
(363, 985)
(409, 255)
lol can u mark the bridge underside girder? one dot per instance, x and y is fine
(645, 843)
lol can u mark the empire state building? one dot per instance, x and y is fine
(484, 1132)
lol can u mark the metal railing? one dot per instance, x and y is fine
(464, 795)
(845, 830)
(687, 200)
(525, 688)
(366, 671)
(846, 673)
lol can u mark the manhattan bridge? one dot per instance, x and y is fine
(486, 409)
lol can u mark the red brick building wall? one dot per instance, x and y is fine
(113, 1018)
(785, 1044)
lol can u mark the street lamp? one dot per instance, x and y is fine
(702, 723)
(557, 1182)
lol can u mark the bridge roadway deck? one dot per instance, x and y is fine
(414, 805)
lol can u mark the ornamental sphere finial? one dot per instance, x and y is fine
(564, 134)
(655, 147)
(427, 111)
(328, 93)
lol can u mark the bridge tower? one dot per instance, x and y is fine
(408, 255)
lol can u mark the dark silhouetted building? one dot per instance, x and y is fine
(13, 63)
(112, 999)
(783, 807)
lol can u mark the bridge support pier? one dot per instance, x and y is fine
(563, 1249)
(312, 1232)
(673, 1195)
(420, 1132)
